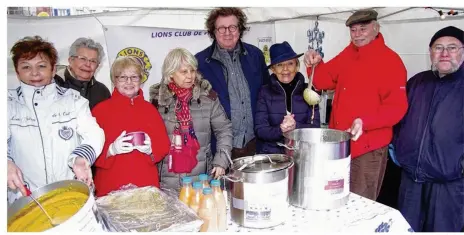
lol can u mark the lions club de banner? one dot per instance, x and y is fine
(151, 45)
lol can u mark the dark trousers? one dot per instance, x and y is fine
(367, 172)
(432, 207)
(248, 150)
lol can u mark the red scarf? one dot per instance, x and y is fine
(183, 158)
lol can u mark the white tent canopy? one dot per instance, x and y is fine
(407, 30)
(194, 18)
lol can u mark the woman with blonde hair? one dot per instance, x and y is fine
(130, 123)
(191, 112)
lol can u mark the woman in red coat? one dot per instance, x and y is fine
(122, 162)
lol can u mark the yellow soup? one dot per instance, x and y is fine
(60, 204)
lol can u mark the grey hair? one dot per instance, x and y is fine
(174, 61)
(87, 43)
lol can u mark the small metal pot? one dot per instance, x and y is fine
(260, 187)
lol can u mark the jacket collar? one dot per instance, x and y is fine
(459, 74)
(24, 90)
(370, 49)
(68, 77)
(121, 99)
(300, 86)
(212, 48)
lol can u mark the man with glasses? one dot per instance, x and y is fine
(85, 56)
(236, 71)
(369, 81)
(429, 141)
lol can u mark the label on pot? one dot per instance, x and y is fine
(264, 205)
(333, 182)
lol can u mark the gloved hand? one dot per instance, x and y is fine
(146, 148)
(120, 145)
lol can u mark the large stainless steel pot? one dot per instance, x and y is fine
(260, 187)
(322, 167)
(85, 220)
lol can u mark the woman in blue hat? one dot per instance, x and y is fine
(281, 107)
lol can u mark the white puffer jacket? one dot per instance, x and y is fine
(47, 128)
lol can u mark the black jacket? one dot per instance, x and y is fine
(92, 90)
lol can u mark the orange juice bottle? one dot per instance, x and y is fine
(220, 204)
(195, 200)
(208, 212)
(204, 180)
(187, 191)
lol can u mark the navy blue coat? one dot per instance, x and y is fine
(429, 146)
(429, 140)
(253, 66)
(272, 108)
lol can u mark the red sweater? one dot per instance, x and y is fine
(369, 84)
(115, 115)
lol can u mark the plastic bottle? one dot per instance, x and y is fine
(195, 200)
(186, 191)
(208, 212)
(220, 204)
(204, 180)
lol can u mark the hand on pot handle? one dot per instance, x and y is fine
(356, 129)
(218, 172)
(15, 178)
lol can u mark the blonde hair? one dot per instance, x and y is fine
(124, 62)
(174, 61)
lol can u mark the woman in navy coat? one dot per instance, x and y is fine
(281, 107)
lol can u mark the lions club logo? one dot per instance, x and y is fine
(141, 57)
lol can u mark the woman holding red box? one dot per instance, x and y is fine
(130, 123)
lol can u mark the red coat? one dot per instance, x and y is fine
(369, 84)
(115, 115)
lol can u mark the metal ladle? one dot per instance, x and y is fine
(52, 222)
(311, 92)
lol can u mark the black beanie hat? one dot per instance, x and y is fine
(449, 31)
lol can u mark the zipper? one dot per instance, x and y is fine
(41, 139)
(423, 135)
(291, 100)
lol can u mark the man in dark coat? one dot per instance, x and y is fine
(429, 141)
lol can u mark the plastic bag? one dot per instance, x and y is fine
(146, 209)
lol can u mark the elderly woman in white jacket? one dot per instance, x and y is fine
(52, 135)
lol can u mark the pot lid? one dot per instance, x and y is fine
(262, 163)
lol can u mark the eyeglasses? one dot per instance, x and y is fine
(125, 78)
(231, 28)
(84, 60)
(291, 65)
(450, 48)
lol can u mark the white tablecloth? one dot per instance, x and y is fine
(358, 215)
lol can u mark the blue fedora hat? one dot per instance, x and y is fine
(280, 52)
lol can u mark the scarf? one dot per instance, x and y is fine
(185, 146)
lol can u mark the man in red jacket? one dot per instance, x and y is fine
(370, 98)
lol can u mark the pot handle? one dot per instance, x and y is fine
(285, 146)
(232, 178)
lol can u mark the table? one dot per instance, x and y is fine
(358, 215)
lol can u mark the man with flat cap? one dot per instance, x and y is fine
(370, 98)
(429, 141)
